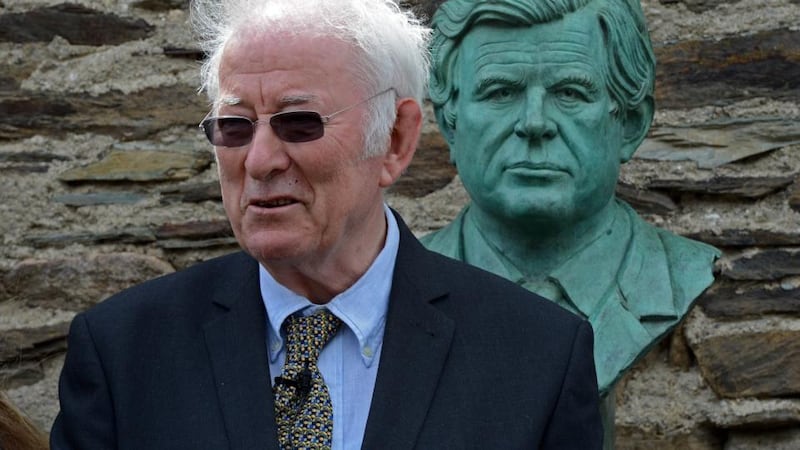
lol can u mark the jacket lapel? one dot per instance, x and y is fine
(415, 347)
(239, 358)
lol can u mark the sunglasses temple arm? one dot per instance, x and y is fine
(325, 119)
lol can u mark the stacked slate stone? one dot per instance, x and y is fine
(107, 182)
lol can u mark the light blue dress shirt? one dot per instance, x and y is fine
(349, 362)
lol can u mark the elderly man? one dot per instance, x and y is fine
(334, 328)
(540, 102)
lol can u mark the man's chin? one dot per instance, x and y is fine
(273, 252)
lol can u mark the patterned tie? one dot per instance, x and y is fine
(303, 409)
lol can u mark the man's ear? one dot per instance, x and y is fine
(403, 142)
(635, 125)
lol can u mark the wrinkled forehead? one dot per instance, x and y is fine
(574, 40)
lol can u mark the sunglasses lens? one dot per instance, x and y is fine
(228, 131)
(297, 126)
(291, 126)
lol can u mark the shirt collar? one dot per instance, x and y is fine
(362, 307)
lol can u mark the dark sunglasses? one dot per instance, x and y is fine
(289, 126)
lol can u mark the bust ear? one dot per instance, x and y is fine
(447, 126)
(635, 125)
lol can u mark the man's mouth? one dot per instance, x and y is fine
(273, 203)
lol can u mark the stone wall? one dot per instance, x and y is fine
(106, 182)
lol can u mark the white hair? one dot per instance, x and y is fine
(392, 44)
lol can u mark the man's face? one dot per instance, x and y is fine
(535, 140)
(296, 204)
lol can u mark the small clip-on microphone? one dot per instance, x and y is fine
(301, 383)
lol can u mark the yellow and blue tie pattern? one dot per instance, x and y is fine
(303, 409)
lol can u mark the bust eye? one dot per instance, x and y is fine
(571, 94)
(501, 94)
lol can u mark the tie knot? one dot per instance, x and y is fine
(306, 335)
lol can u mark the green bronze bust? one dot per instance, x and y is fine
(541, 101)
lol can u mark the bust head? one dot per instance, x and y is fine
(541, 102)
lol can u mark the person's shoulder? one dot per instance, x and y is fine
(181, 288)
(676, 247)
(680, 248)
(690, 262)
(446, 240)
(685, 256)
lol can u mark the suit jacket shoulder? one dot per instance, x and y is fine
(175, 362)
(186, 289)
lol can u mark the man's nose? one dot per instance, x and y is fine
(266, 154)
(533, 121)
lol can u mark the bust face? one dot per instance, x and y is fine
(536, 138)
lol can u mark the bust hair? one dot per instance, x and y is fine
(391, 43)
(630, 76)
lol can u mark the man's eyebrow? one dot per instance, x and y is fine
(287, 100)
(226, 101)
(230, 101)
(290, 100)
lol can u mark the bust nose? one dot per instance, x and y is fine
(533, 121)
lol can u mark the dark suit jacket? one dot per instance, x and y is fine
(469, 361)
